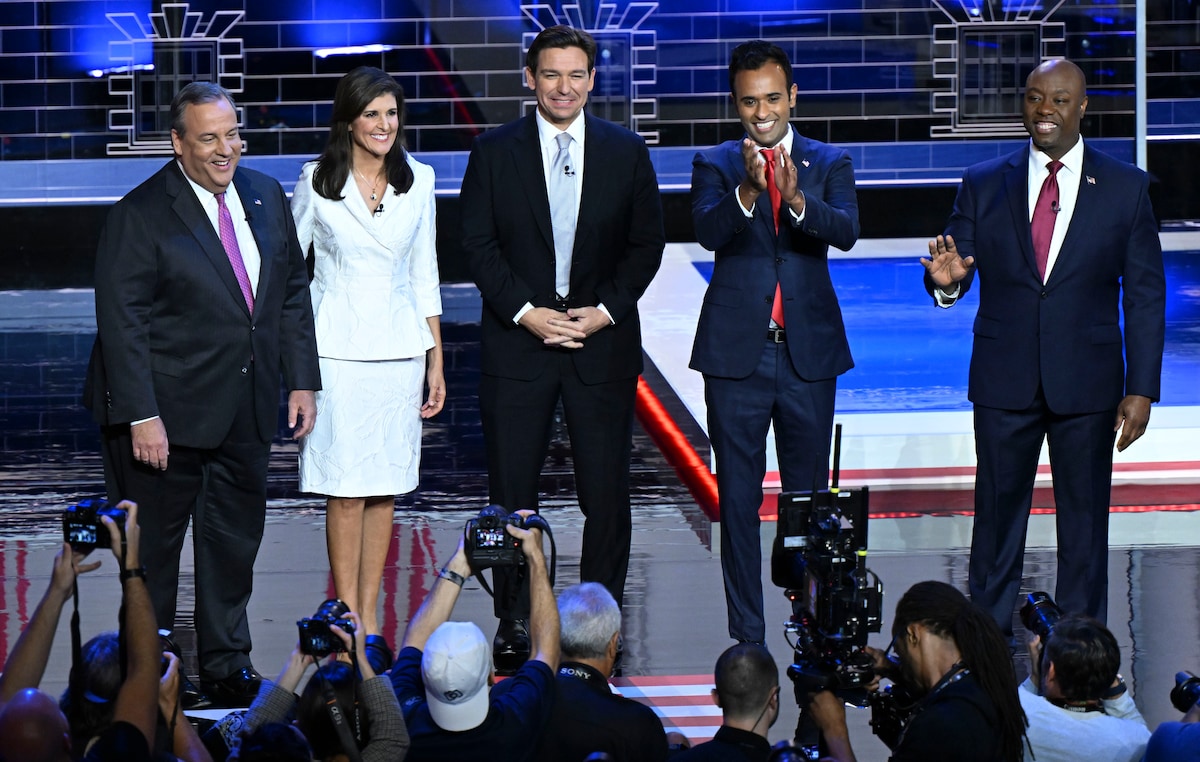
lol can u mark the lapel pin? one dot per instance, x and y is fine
(804, 162)
(258, 202)
(1091, 180)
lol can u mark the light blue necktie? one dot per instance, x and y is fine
(563, 209)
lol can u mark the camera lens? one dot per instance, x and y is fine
(331, 610)
(1186, 692)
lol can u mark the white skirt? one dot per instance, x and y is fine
(367, 438)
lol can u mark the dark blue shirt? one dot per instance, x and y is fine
(518, 711)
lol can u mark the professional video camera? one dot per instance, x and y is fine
(819, 559)
(1040, 613)
(82, 527)
(316, 639)
(488, 543)
(1186, 692)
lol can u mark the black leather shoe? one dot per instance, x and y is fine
(234, 691)
(191, 697)
(379, 653)
(510, 647)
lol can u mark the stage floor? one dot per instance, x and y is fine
(915, 455)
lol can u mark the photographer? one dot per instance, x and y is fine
(952, 655)
(442, 672)
(1076, 703)
(746, 688)
(383, 735)
(1176, 741)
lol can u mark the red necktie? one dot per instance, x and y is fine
(1044, 213)
(776, 200)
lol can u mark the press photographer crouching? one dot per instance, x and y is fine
(343, 716)
(1179, 741)
(1076, 703)
(955, 663)
(444, 669)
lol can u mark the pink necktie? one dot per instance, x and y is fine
(1044, 212)
(233, 251)
(776, 198)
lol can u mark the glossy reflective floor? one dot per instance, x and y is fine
(674, 615)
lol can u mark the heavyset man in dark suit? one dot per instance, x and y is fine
(770, 340)
(1047, 361)
(572, 334)
(184, 378)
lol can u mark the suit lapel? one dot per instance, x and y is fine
(527, 158)
(595, 179)
(1083, 218)
(192, 214)
(1016, 186)
(256, 215)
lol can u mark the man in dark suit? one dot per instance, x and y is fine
(770, 340)
(1063, 240)
(184, 378)
(560, 318)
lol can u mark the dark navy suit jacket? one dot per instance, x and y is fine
(1065, 335)
(751, 259)
(175, 338)
(509, 246)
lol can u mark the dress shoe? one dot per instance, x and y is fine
(234, 691)
(510, 648)
(379, 653)
(191, 697)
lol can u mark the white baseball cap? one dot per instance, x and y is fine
(455, 666)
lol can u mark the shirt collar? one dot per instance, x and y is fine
(205, 195)
(548, 132)
(787, 140)
(1072, 160)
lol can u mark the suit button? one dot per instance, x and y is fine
(1043, 294)
(245, 370)
(778, 260)
(769, 299)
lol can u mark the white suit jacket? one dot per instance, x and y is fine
(376, 276)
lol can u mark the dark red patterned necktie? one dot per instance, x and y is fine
(1044, 213)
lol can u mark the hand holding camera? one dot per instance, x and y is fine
(329, 630)
(498, 538)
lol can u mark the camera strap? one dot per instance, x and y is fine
(337, 716)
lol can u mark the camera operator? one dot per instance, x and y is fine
(1179, 741)
(746, 688)
(385, 738)
(952, 654)
(588, 716)
(1076, 703)
(442, 672)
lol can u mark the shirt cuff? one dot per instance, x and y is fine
(607, 314)
(521, 313)
(143, 420)
(946, 297)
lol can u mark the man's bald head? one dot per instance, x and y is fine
(33, 729)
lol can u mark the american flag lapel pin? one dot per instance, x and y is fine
(804, 162)
(1091, 180)
(258, 202)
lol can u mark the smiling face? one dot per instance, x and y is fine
(764, 102)
(374, 131)
(561, 83)
(1055, 101)
(210, 145)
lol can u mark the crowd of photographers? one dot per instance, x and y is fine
(953, 691)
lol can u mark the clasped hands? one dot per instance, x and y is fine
(786, 179)
(564, 329)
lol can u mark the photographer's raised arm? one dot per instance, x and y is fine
(27, 662)
(439, 603)
(544, 628)
(829, 714)
(137, 700)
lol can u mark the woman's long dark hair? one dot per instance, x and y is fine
(948, 614)
(354, 92)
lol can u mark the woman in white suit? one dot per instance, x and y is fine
(367, 208)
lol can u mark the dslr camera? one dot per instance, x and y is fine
(1186, 692)
(316, 639)
(82, 527)
(1040, 613)
(488, 544)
